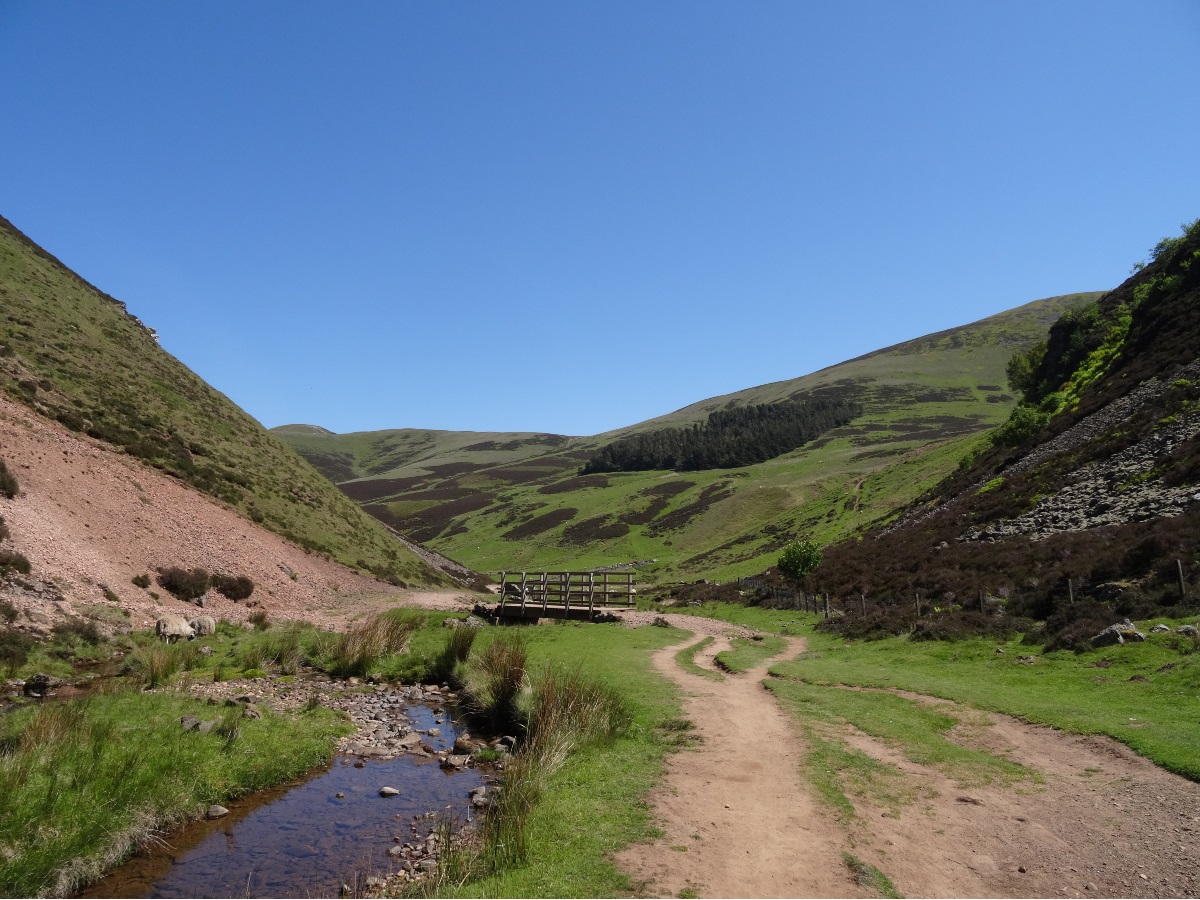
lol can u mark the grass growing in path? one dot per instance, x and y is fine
(686, 660)
(917, 730)
(747, 653)
(777, 621)
(870, 877)
(1146, 694)
(82, 781)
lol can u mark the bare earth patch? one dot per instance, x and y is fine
(88, 516)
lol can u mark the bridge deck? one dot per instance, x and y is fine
(563, 595)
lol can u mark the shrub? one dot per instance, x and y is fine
(12, 561)
(77, 629)
(237, 587)
(8, 482)
(4, 532)
(184, 584)
(142, 581)
(8, 612)
(259, 620)
(14, 650)
(110, 596)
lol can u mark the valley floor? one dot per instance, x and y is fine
(1082, 816)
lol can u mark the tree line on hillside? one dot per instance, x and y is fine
(729, 438)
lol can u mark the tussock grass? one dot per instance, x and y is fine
(496, 681)
(359, 649)
(83, 782)
(448, 665)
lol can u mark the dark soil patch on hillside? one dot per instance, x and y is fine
(667, 489)
(520, 474)
(429, 523)
(540, 524)
(680, 517)
(333, 466)
(578, 483)
(598, 528)
(545, 440)
(450, 470)
(377, 489)
(647, 515)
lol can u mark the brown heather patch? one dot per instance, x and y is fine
(378, 488)
(540, 524)
(597, 528)
(579, 482)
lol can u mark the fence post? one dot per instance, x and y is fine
(917, 597)
(827, 604)
(1182, 586)
(863, 598)
(981, 607)
(1070, 592)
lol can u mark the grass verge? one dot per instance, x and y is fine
(83, 782)
(686, 660)
(582, 811)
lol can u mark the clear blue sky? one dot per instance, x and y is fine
(574, 216)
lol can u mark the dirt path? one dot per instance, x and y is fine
(738, 821)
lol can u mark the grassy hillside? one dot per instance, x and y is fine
(73, 353)
(516, 500)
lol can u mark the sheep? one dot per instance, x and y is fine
(203, 625)
(169, 627)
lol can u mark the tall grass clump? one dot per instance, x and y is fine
(558, 713)
(495, 682)
(448, 664)
(152, 665)
(359, 650)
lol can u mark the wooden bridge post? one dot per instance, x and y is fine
(503, 588)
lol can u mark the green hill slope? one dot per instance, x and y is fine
(516, 501)
(73, 353)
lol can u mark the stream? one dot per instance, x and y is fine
(303, 839)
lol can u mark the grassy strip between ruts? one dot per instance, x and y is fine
(81, 782)
(1144, 694)
(686, 660)
(750, 652)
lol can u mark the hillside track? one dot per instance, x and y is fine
(736, 816)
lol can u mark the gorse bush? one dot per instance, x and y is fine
(8, 482)
(184, 584)
(14, 650)
(142, 581)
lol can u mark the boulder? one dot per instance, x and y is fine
(1189, 630)
(1161, 629)
(1118, 634)
(39, 685)
(473, 622)
(189, 722)
(455, 761)
(216, 811)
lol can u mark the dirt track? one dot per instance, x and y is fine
(1097, 821)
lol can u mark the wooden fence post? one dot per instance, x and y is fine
(981, 607)
(863, 598)
(1182, 586)
(827, 604)
(1070, 592)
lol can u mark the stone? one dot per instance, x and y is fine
(1161, 629)
(464, 744)
(206, 726)
(252, 711)
(660, 622)
(374, 882)
(433, 732)
(388, 792)
(39, 685)
(216, 811)
(206, 651)
(189, 722)
(1190, 630)
(395, 851)
(473, 622)
(339, 795)
(455, 761)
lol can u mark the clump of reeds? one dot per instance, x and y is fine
(152, 665)
(358, 650)
(447, 665)
(494, 686)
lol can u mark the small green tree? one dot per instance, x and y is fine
(798, 560)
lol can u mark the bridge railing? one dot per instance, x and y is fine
(560, 590)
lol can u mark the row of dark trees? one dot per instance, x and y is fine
(729, 438)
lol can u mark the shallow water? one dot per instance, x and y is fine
(301, 840)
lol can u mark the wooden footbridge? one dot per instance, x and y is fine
(564, 595)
